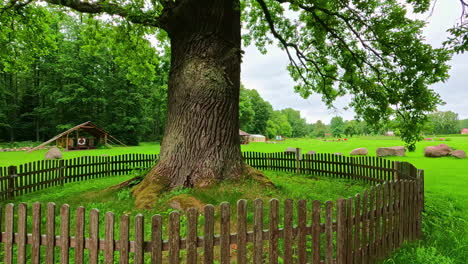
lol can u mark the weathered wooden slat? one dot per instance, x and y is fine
(9, 223)
(79, 235)
(288, 232)
(302, 231)
(357, 228)
(225, 233)
(22, 233)
(371, 253)
(273, 231)
(64, 234)
(384, 219)
(174, 237)
(328, 232)
(192, 223)
(316, 230)
(377, 222)
(36, 234)
(365, 228)
(208, 243)
(124, 242)
(391, 215)
(109, 238)
(139, 252)
(341, 231)
(349, 231)
(156, 239)
(258, 232)
(94, 236)
(50, 233)
(242, 232)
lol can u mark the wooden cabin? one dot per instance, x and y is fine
(244, 137)
(83, 136)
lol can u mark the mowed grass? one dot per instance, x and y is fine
(446, 189)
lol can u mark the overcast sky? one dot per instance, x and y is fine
(268, 75)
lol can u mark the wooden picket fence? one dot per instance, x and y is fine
(362, 229)
(364, 168)
(38, 175)
(34, 176)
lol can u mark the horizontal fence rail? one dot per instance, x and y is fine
(361, 229)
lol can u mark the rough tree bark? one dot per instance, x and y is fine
(201, 139)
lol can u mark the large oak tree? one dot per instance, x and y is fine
(367, 48)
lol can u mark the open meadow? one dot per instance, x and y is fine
(446, 180)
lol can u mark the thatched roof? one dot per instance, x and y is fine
(243, 133)
(86, 126)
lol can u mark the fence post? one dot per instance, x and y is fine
(298, 160)
(61, 172)
(12, 174)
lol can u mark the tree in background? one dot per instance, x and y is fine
(319, 129)
(298, 124)
(246, 111)
(254, 112)
(337, 126)
(338, 48)
(463, 123)
(102, 73)
(351, 128)
(280, 122)
(443, 123)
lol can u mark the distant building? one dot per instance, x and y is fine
(390, 134)
(244, 137)
(464, 131)
(257, 138)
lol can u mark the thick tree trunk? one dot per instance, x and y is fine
(201, 139)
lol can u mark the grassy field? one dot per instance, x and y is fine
(446, 180)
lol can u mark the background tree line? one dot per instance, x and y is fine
(57, 71)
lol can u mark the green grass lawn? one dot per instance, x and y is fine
(446, 181)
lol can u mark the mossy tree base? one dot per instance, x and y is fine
(155, 183)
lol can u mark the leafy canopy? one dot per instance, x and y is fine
(367, 48)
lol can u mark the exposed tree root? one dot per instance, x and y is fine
(126, 184)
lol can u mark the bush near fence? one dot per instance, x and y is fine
(361, 229)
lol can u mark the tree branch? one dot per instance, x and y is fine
(14, 4)
(128, 12)
(300, 55)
